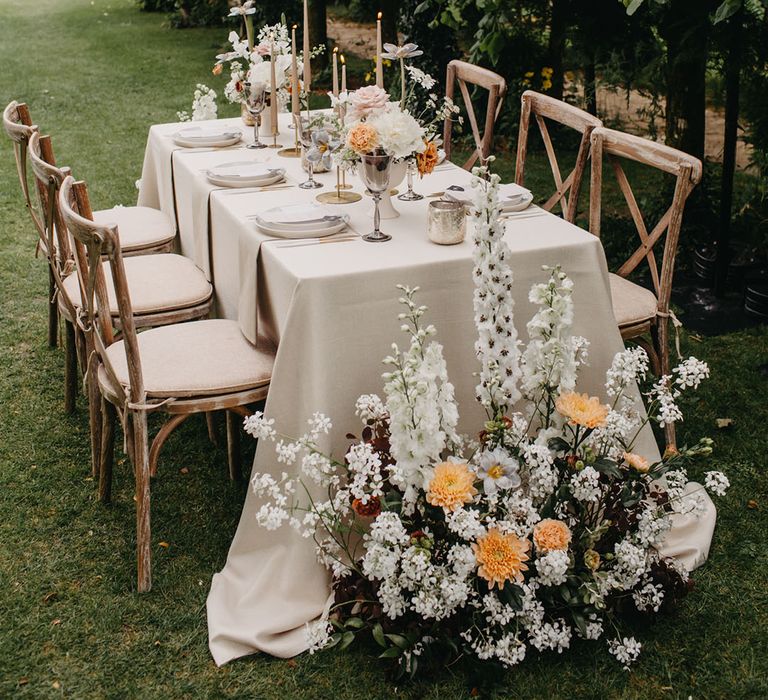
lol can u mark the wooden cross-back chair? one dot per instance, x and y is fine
(466, 74)
(170, 288)
(543, 107)
(179, 369)
(19, 128)
(638, 310)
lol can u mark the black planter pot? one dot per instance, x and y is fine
(756, 299)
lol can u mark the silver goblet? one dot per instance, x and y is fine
(410, 195)
(255, 101)
(374, 171)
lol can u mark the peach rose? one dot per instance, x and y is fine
(550, 535)
(582, 409)
(362, 138)
(637, 462)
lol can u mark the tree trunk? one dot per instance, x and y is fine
(318, 31)
(590, 84)
(732, 85)
(557, 29)
(686, 32)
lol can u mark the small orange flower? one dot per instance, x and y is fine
(451, 486)
(551, 535)
(367, 510)
(637, 462)
(582, 409)
(362, 138)
(217, 69)
(501, 557)
(427, 160)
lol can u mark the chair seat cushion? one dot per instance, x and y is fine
(138, 227)
(156, 283)
(631, 303)
(199, 358)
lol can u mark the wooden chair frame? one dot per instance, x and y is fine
(544, 107)
(19, 127)
(687, 170)
(95, 245)
(469, 74)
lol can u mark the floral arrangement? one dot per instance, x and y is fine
(374, 122)
(203, 105)
(542, 529)
(250, 57)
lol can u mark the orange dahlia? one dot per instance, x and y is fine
(427, 160)
(550, 535)
(451, 486)
(582, 409)
(637, 462)
(500, 557)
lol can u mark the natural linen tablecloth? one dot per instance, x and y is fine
(332, 309)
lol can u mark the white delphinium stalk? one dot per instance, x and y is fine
(420, 402)
(553, 356)
(497, 343)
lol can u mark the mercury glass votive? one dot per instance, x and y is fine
(447, 222)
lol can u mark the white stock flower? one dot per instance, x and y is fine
(259, 427)
(690, 373)
(552, 568)
(626, 650)
(318, 634)
(716, 482)
(585, 485)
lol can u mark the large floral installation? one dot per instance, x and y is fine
(544, 528)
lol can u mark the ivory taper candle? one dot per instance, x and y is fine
(379, 67)
(273, 89)
(295, 108)
(307, 71)
(343, 110)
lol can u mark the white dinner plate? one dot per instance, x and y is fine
(269, 177)
(244, 169)
(523, 203)
(211, 137)
(317, 232)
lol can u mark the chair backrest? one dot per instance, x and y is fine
(616, 145)
(544, 107)
(19, 127)
(469, 74)
(49, 178)
(94, 244)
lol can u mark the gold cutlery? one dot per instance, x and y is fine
(301, 243)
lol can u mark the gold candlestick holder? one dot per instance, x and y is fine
(344, 184)
(338, 196)
(295, 150)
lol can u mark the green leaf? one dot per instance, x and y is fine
(378, 635)
(557, 444)
(346, 639)
(726, 10)
(421, 7)
(634, 6)
(607, 466)
(354, 623)
(391, 653)
(398, 640)
(335, 639)
(580, 622)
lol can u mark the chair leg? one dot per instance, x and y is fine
(141, 472)
(107, 450)
(94, 413)
(53, 312)
(662, 347)
(70, 368)
(210, 421)
(233, 445)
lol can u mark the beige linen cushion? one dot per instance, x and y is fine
(138, 227)
(161, 282)
(199, 358)
(631, 303)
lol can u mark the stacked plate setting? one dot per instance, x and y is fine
(207, 136)
(244, 174)
(301, 221)
(512, 197)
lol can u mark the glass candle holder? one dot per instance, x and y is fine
(446, 222)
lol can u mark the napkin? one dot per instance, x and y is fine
(242, 170)
(296, 214)
(207, 132)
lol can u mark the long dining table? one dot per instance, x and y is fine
(331, 310)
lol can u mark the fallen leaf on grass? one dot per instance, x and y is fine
(56, 685)
(23, 681)
(724, 423)
(163, 544)
(57, 621)
(291, 663)
(48, 597)
(183, 470)
(752, 504)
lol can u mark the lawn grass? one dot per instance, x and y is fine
(96, 75)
